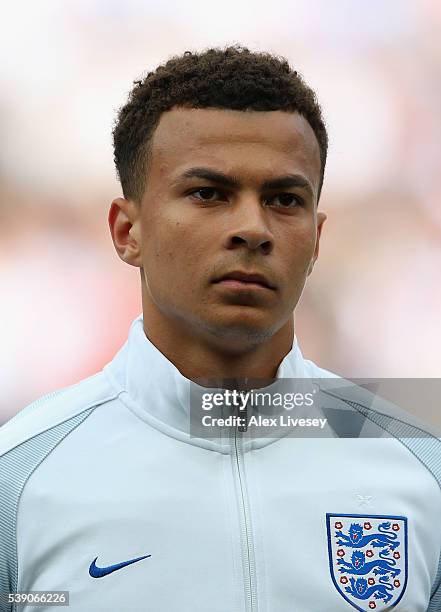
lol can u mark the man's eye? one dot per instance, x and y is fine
(286, 200)
(281, 200)
(206, 193)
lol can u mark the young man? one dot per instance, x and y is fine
(104, 492)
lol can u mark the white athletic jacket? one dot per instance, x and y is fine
(104, 494)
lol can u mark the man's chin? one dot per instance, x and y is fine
(240, 333)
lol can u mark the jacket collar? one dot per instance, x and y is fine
(156, 390)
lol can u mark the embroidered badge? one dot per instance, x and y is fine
(368, 559)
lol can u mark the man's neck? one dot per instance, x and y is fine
(197, 355)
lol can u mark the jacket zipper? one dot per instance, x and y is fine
(245, 523)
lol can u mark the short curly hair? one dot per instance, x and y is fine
(232, 78)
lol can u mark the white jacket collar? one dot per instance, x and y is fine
(158, 389)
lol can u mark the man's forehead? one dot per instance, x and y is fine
(196, 126)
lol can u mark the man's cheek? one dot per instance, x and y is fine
(165, 250)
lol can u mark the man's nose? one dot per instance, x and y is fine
(249, 227)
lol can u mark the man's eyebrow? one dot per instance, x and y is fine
(281, 182)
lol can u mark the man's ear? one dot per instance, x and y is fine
(124, 223)
(321, 218)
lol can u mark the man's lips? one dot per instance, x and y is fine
(245, 280)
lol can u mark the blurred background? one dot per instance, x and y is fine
(372, 307)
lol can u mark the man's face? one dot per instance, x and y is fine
(196, 228)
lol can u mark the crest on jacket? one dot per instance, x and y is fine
(368, 559)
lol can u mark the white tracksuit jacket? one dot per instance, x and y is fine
(104, 494)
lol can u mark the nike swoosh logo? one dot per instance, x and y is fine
(99, 572)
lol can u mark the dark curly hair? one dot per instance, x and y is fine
(232, 78)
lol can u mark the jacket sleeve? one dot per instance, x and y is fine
(7, 553)
(435, 600)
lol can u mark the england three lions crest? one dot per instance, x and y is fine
(368, 559)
